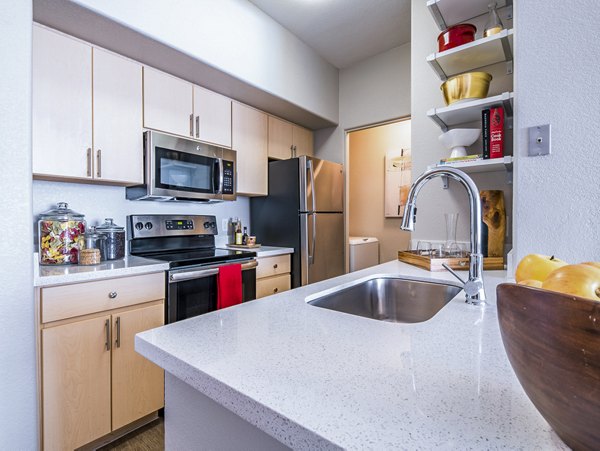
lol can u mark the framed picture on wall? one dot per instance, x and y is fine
(398, 167)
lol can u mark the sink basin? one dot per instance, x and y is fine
(388, 298)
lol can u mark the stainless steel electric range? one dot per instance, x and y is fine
(187, 243)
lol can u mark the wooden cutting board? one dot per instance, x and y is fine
(435, 264)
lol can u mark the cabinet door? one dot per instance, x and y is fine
(167, 103)
(76, 383)
(303, 141)
(249, 139)
(137, 383)
(212, 117)
(280, 139)
(118, 139)
(62, 105)
(272, 285)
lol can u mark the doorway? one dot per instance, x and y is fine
(377, 180)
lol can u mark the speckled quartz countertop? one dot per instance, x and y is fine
(45, 276)
(320, 379)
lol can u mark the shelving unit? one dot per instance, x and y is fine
(469, 111)
(450, 12)
(495, 164)
(480, 53)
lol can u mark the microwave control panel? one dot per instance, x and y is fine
(227, 177)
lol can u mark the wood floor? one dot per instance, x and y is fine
(147, 438)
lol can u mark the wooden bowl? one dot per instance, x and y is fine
(553, 344)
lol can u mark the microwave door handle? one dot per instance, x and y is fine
(219, 170)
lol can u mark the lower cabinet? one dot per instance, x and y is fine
(273, 275)
(92, 380)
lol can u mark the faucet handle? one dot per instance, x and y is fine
(464, 282)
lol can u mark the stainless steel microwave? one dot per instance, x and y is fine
(181, 169)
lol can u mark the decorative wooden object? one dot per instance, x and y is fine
(553, 344)
(435, 263)
(494, 216)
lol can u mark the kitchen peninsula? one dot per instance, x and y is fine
(278, 373)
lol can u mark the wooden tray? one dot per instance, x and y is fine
(244, 246)
(435, 264)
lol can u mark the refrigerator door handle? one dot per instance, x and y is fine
(309, 165)
(311, 254)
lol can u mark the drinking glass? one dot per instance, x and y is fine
(451, 223)
(424, 248)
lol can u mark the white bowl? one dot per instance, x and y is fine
(457, 139)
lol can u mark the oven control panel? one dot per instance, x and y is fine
(179, 224)
(155, 226)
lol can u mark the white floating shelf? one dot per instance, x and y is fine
(473, 55)
(469, 111)
(495, 164)
(451, 12)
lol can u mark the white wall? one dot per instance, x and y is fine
(433, 201)
(97, 202)
(18, 418)
(372, 91)
(238, 39)
(558, 196)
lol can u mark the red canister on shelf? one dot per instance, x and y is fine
(456, 35)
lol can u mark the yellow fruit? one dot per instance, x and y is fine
(578, 280)
(531, 283)
(595, 264)
(537, 267)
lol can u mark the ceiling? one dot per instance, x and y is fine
(343, 31)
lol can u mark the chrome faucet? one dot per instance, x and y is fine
(474, 285)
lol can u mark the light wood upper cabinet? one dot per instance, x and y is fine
(133, 396)
(212, 117)
(249, 140)
(62, 105)
(168, 103)
(76, 374)
(280, 139)
(118, 140)
(287, 140)
(303, 141)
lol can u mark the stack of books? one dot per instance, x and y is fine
(467, 158)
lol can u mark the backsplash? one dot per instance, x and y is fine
(97, 202)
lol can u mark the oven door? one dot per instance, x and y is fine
(193, 292)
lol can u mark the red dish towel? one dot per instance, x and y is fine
(229, 286)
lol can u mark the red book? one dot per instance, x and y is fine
(496, 132)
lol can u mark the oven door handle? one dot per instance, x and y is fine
(200, 273)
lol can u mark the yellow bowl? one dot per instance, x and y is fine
(472, 85)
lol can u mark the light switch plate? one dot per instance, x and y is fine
(539, 140)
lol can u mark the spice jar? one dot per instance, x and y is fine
(60, 232)
(114, 246)
(92, 239)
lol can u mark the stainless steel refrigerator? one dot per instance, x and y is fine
(304, 210)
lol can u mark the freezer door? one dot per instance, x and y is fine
(321, 185)
(321, 246)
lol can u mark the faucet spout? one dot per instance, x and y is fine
(473, 287)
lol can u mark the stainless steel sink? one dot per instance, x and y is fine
(388, 298)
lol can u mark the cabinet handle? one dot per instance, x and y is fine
(89, 161)
(295, 154)
(275, 290)
(107, 330)
(112, 294)
(197, 126)
(292, 150)
(118, 340)
(99, 163)
(275, 266)
(192, 125)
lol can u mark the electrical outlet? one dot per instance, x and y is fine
(539, 140)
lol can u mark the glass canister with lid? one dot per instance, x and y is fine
(92, 251)
(60, 232)
(114, 246)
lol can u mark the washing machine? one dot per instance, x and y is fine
(364, 252)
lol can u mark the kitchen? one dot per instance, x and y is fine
(544, 220)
